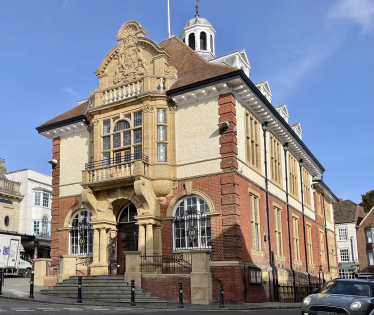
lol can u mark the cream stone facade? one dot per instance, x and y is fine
(158, 168)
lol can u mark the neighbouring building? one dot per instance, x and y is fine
(178, 163)
(34, 210)
(348, 215)
(365, 240)
(10, 198)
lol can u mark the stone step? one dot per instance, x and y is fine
(100, 288)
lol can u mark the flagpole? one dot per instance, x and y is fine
(169, 19)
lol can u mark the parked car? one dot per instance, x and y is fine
(341, 296)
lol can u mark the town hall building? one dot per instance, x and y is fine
(178, 168)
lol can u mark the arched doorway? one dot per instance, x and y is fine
(127, 235)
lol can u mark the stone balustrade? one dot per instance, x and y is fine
(122, 92)
(10, 186)
(121, 170)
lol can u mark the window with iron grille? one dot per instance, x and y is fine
(192, 228)
(81, 233)
(343, 234)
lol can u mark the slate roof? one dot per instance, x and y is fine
(190, 65)
(346, 211)
(72, 113)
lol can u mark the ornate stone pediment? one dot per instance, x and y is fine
(135, 65)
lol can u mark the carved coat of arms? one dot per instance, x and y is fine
(131, 64)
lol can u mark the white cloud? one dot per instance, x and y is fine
(357, 11)
(71, 92)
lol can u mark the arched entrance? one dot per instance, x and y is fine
(127, 234)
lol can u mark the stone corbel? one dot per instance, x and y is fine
(89, 199)
(144, 190)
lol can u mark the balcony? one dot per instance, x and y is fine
(116, 168)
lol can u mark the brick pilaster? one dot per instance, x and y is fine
(228, 140)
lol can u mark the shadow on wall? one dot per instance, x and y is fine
(242, 282)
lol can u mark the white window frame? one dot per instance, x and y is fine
(340, 254)
(41, 199)
(344, 228)
(200, 200)
(370, 260)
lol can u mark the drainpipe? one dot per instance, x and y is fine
(302, 208)
(271, 257)
(326, 238)
(285, 148)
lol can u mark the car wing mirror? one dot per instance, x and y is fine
(372, 301)
(315, 290)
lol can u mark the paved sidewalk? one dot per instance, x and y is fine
(19, 288)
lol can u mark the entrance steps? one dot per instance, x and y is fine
(110, 289)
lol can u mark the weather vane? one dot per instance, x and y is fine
(197, 8)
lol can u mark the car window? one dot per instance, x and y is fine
(347, 288)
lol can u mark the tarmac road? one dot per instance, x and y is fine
(18, 307)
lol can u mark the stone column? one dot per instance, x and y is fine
(103, 246)
(96, 246)
(67, 267)
(149, 240)
(141, 239)
(201, 278)
(157, 240)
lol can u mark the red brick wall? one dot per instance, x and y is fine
(361, 243)
(167, 289)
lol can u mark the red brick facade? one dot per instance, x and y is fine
(362, 246)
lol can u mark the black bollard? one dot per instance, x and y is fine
(79, 300)
(221, 301)
(31, 296)
(180, 296)
(132, 303)
(1, 283)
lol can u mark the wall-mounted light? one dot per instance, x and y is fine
(53, 162)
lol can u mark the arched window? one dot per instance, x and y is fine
(191, 41)
(81, 233)
(45, 225)
(122, 125)
(128, 214)
(192, 229)
(211, 43)
(203, 41)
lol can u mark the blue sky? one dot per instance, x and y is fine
(317, 56)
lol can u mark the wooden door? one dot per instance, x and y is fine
(127, 240)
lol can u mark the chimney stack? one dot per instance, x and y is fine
(2, 166)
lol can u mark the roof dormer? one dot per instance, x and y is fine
(264, 88)
(297, 128)
(282, 110)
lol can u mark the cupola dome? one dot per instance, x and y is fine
(199, 35)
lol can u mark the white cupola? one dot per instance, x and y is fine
(199, 35)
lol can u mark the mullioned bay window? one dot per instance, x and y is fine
(162, 142)
(122, 138)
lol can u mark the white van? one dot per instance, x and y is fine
(13, 259)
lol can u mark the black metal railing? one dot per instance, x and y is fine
(53, 268)
(127, 158)
(287, 292)
(161, 264)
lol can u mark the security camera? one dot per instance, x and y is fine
(53, 162)
(223, 125)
